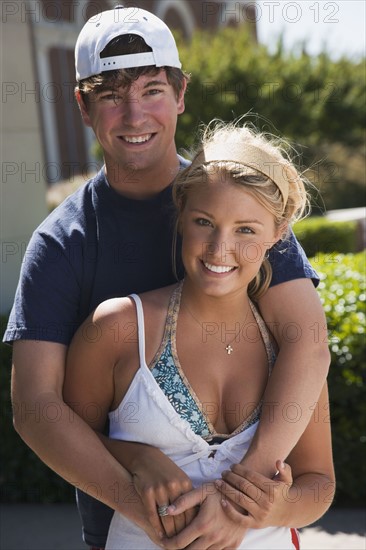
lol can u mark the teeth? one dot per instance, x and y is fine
(219, 268)
(137, 139)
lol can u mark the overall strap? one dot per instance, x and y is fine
(140, 327)
(264, 332)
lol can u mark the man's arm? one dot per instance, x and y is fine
(294, 314)
(292, 499)
(297, 499)
(60, 437)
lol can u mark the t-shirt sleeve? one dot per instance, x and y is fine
(46, 304)
(289, 262)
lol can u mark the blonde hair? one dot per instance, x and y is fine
(256, 161)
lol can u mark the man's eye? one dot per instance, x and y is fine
(110, 97)
(154, 91)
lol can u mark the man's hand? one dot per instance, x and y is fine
(159, 482)
(213, 527)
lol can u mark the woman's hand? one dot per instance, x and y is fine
(212, 528)
(264, 501)
(159, 482)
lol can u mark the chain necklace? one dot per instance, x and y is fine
(228, 348)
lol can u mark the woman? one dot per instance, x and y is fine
(190, 378)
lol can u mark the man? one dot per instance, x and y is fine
(114, 237)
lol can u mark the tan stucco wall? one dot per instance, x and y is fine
(22, 192)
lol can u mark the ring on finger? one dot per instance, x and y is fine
(162, 510)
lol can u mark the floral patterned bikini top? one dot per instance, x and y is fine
(169, 375)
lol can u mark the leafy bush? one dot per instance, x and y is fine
(318, 235)
(342, 290)
(343, 293)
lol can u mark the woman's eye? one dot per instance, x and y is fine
(203, 221)
(246, 230)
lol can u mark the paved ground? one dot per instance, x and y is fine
(56, 527)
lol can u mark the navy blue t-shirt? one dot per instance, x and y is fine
(97, 245)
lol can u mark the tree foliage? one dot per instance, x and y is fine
(313, 101)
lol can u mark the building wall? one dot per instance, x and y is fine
(22, 190)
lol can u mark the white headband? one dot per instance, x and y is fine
(255, 158)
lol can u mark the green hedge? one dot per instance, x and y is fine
(342, 290)
(318, 235)
(343, 293)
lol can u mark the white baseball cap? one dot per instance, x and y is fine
(99, 30)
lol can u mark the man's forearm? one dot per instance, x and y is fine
(126, 452)
(61, 438)
(65, 443)
(288, 405)
(296, 318)
(307, 500)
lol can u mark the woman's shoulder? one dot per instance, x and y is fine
(154, 302)
(113, 309)
(158, 300)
